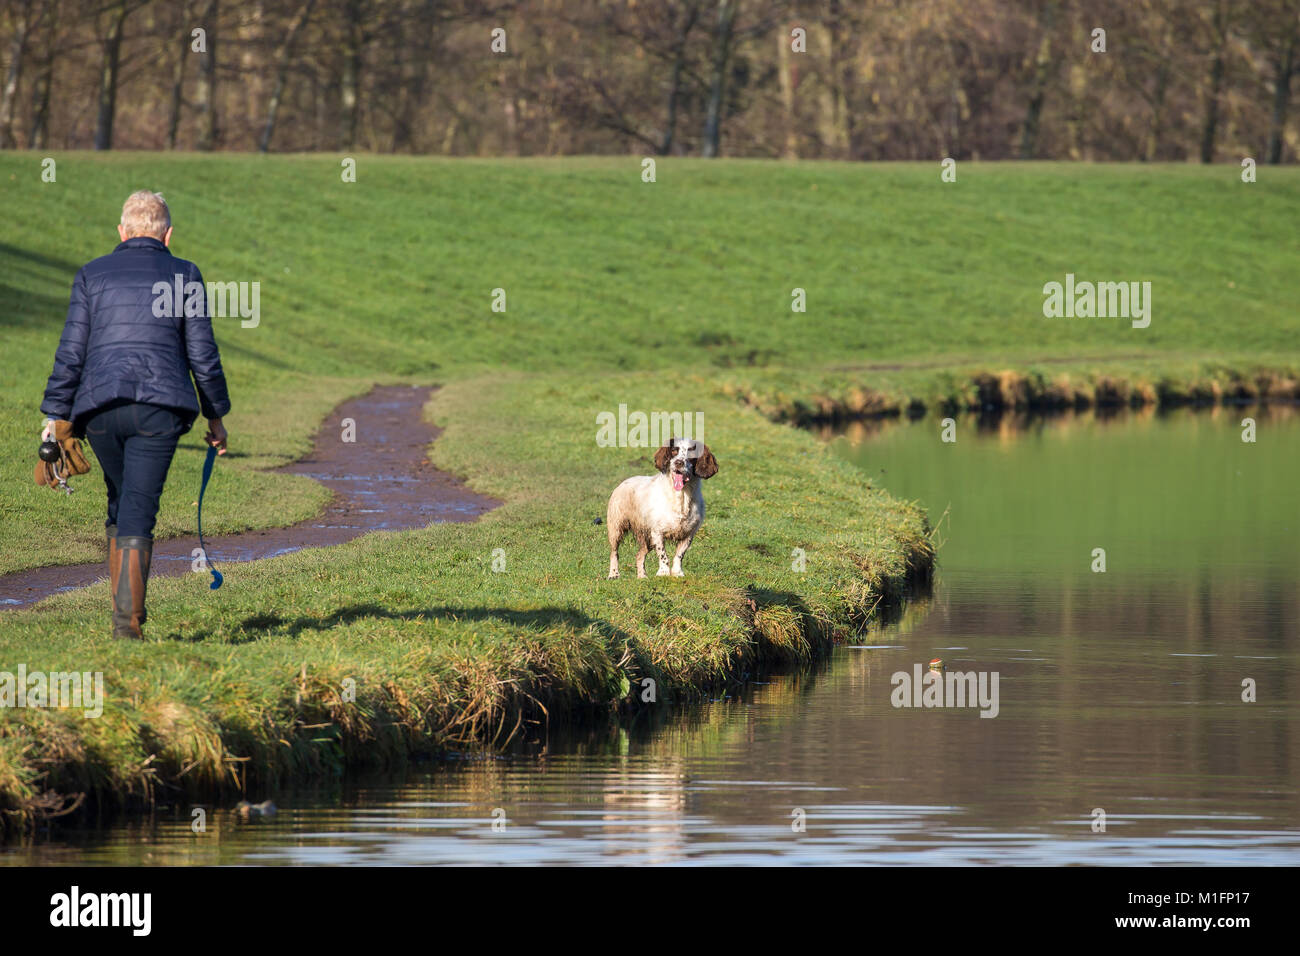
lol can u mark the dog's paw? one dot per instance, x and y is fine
(613, 575)
(663, 572)
(678, 573)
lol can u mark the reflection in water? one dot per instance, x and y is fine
(1119, 691)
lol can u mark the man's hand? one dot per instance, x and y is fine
(216, 436)
(47, 433)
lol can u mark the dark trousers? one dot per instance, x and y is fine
(134, 444)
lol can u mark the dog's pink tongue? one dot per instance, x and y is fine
(678, 481)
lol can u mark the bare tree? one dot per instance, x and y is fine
(40, 125)
(723, 36)
(788, 74)
(354, 39)
(282, 57)
(1218, 51)
(113, 23)
(1044, 65)
(1149, 70)
(660, 34)
(17, 52)
(207, 89)
(684, 23)
(1286, 65)
(881, 79)
(181, 51)
(1274, 29)
(835, 117)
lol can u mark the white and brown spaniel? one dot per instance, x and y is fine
(666, 506)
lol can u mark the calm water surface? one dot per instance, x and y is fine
(1118, 691)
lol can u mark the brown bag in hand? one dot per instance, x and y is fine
(45, 474)
(72, 461)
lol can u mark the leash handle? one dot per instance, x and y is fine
(207, 473)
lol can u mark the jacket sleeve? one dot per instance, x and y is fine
(61, 389)
(204, 359)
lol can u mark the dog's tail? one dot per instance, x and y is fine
(615, 523)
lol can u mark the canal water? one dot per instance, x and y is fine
(1147, 713)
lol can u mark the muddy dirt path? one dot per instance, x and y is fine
(381, 482)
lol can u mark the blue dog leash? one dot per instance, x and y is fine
(207, 473)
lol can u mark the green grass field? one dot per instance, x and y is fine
(674, 295)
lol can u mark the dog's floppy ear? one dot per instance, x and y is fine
(662, 457)
(706, 466)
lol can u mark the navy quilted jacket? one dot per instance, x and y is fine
(115, 348)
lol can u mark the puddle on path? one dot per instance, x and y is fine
(381, 482)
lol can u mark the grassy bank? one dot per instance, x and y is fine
(847, 393)
(246, 686)
(674, 295)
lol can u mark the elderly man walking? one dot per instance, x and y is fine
(122, 379)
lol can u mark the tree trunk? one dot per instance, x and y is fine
(785, 68)
(320, 98)
(282, 58)
(207, 91)
(674, 91)
(1038, 89)
(1284, 68)
(249, 30)
(1209, 131)
(40, 128)
(510, 111)
(675, 83)
(17, 51)
(350, 84)
(414, 71)
(1152, 149)
(178, 77)
(834, 116)
(717, 85)
(843, 60)
(109, 71)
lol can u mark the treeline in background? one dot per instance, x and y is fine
(1198, 80)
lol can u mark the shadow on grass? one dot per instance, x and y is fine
(261, 626)
(26, 309)
(258, 627)
(39, 293)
